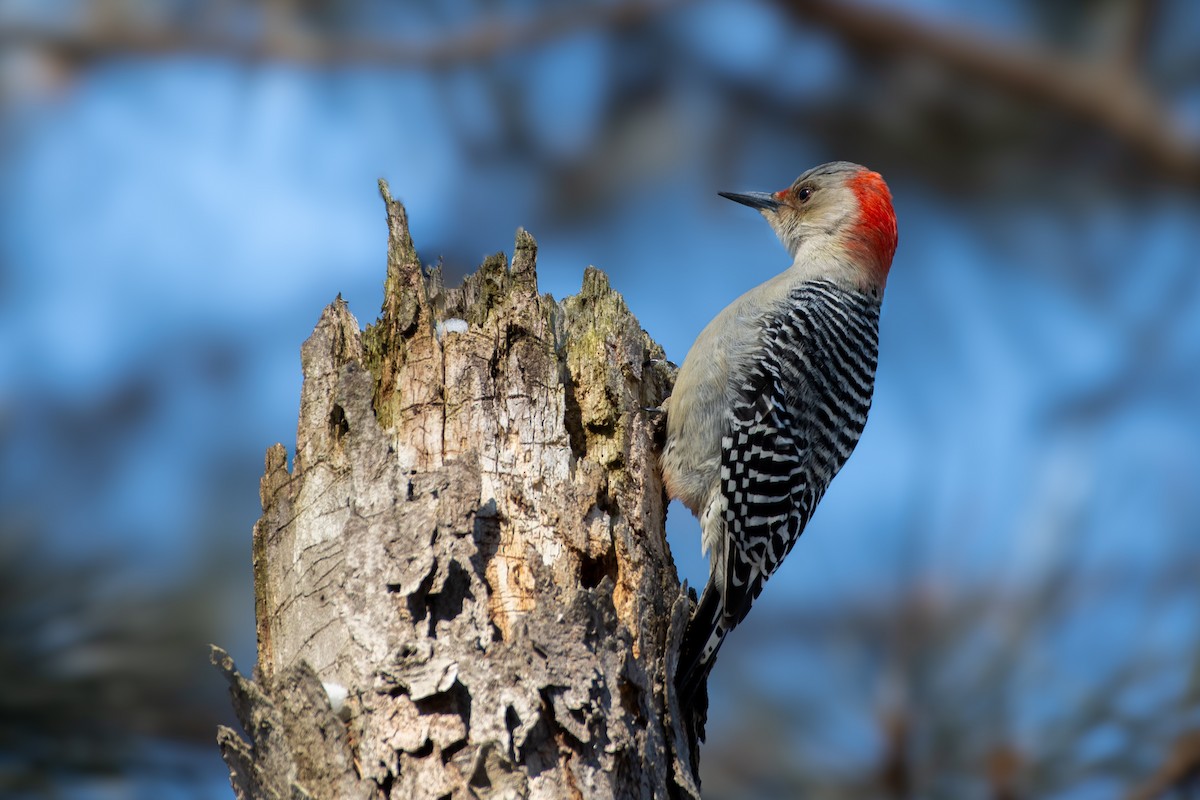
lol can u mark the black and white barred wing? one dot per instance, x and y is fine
(804, 405)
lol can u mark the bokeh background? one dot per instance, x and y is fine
(1000, 595)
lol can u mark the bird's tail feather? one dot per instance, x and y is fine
(701, 640)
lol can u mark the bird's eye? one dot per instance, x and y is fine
(803, 193)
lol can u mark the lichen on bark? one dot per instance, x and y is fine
(471, 542)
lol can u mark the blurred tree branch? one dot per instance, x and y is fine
(95, 665)
(1111, 94)
(285, 37)
(944, 673)
(1180, 771)
(1109, 91)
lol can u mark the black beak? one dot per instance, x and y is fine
(763, 201)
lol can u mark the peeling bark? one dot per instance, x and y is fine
(470, 541)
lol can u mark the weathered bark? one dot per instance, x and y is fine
(470, 541)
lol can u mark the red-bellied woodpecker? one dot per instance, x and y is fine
(773, 395)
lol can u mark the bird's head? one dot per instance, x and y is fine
(836, 220)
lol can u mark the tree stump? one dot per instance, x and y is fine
(470, 546)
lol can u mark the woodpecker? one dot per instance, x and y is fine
(773, 395)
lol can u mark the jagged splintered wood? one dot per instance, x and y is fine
(470, 541)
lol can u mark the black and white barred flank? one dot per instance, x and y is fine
(799, 413)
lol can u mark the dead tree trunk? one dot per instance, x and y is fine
(470, 542)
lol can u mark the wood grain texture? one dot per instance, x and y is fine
(470, 541)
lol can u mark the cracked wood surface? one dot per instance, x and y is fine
(470, 541)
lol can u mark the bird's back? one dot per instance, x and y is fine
(703, 389)
(794, 417)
